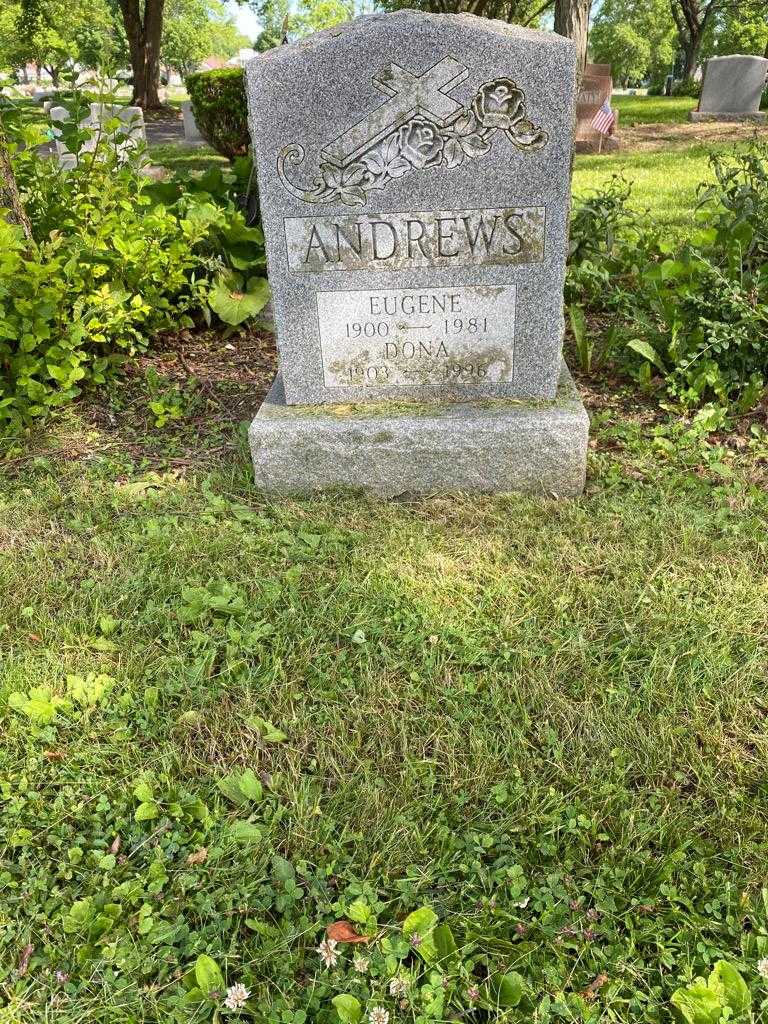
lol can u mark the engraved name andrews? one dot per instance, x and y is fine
(419, 126)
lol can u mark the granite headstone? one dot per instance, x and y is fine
(732, 89)
(414, 184)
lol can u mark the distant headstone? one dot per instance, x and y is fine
(191, 131)
(128, 135)
(414, 183)
(595, 88)
(732, 89)
(67, 159)
(131, 119)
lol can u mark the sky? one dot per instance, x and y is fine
(249, 24)
(245, 19)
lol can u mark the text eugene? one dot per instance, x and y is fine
(395, 241)
(431, 347)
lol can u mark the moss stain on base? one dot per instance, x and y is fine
(567, 395)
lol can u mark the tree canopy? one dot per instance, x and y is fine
(196, 29)
(636, 37)
(279, 20)
(56, 33)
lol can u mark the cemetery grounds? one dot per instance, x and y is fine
(228, 722)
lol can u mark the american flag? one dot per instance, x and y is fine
(604, 120)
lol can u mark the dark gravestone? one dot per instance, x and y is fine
(596, 87)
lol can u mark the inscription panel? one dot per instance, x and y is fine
(417, 336)
(396, 241)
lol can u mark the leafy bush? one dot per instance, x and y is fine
(721, 997)
(696, 312)
(687, 87)
(220, 109)
(110, 264)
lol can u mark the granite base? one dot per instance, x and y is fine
(757, 117)
(393, 449)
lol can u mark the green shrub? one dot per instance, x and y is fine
(696, 312)
(220, 109)
(688, 87)
(113, 261)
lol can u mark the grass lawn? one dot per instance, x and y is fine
(184, 158)
(545, 720)
(652, 109)
(227, 722)
(663, 182)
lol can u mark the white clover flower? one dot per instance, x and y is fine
(236, 997)
(327, 951)
(361, 964)
(762, 967)
(378, 1015)
(398, 987)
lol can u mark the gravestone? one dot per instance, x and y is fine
(414, 183)
(191, 131)
(732, 89)
(67, 160)
(130, 132)
(595, 88)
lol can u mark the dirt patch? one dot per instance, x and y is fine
(246, 357)
(647, 138)
(219, 377)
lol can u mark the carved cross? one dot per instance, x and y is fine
(410, 94)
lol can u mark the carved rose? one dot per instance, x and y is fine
(525, 135)
(499, 104)
(421, 143)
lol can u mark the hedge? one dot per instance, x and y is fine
(220, 109)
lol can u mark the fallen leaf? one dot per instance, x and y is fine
(198, 857)
(26, 953)
(115, 847)
(590, 992)
(343, 931)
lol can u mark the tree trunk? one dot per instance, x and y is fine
(9, 190)
(691, 47)
(691, 19)
(572, 20)
(143, 32)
